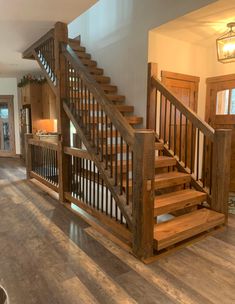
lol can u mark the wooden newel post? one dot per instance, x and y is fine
(28, 154)
(143, 193)
(61, 36)
(221, 171)
(151, 97)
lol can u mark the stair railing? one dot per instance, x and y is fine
(106, 134)
(199, 149)
(124, 157)
(44, 52)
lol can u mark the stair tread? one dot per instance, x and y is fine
(88, 62)
(102, 79)
(164, 161)
(95, 71)
(170, 179)
(114, 97)
(186, 226)
(83, 55)
(121, 108)
(177, 200)
(132, 120)
(108, 87)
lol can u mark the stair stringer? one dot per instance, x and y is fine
(120, 199)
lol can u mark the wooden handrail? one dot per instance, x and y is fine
(44, 144)
(28, 53)
(199, 123)
(117, 119)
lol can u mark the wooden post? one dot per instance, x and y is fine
(221, 171)
(61, 36)
(77, 141)
(151, 97)
(28, 154)
(143, 193)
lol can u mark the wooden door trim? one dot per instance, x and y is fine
(179, 76)
(220, 78)
(210, 83)
(10, 100)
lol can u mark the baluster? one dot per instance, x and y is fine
(204, 160)
(198, 150)
(175, 132)
(169, 131)
(186, 142)
(192, 150)
(127, 174)
(121, 166)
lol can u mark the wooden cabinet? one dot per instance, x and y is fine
(48, 102)
(42, 101)
(25, 95)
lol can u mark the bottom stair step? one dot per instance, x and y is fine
(185, 226)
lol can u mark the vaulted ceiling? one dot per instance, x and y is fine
(22, 22)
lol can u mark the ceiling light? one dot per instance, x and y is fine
(226, 45)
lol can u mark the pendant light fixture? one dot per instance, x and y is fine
(226, 45)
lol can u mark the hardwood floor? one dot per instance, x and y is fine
(48, 255)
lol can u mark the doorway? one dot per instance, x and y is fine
(220, 111)
(185, 88)
(7, 134)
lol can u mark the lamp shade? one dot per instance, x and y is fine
(226, 45)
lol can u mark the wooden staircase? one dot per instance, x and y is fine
(180, 195)
(139, 177)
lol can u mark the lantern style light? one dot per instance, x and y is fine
(226, 45)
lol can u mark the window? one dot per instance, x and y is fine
(225, 102)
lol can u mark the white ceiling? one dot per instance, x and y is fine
(203, 26)
(22, 22)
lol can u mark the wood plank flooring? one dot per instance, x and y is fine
(48, 255)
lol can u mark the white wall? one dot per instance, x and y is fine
(115, 32)
(8, 86)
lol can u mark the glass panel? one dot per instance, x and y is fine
(4, 127)
(3, 111)
(232, 110)
(222, 102)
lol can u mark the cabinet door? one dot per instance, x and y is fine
(25, 95)
(48, 102)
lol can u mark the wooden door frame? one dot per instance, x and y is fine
(210, 82)
(9, 99)
(184, 77)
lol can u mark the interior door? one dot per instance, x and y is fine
(7, 138)
(220, 111)
(185, 88)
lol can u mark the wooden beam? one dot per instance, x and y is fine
(151, 97)
(28, 154)
(143, 193)
(221, 171)
(63, 123)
